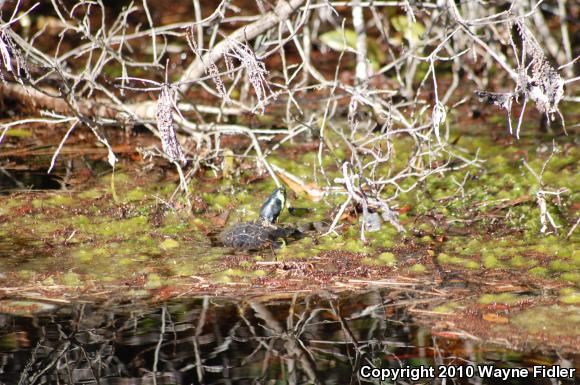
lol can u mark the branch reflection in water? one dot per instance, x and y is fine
(280, 338)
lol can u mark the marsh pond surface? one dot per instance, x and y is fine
(115, 275)
(286, 339)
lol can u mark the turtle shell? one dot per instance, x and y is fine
(253, 235)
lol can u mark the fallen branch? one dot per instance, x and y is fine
(196, 69)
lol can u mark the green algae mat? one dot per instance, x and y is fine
(473, 240)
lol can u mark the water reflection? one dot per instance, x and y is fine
(280, 339)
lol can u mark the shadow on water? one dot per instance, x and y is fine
(307, 339)
(27, 180)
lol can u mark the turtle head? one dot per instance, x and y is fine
(273, 206)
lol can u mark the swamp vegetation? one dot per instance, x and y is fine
(429, 151)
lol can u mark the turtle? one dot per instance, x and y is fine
(263, 232)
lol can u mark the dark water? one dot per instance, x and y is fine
(315, 339)
(27, 180)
